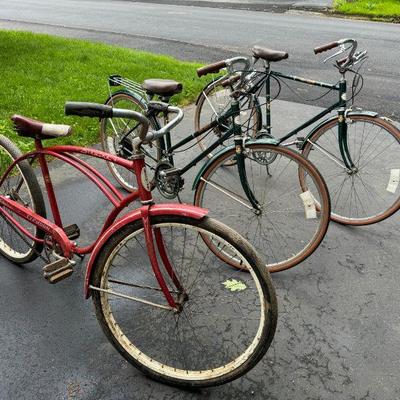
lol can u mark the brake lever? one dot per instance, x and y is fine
(364, 57)
(342, 50)
(360, 55)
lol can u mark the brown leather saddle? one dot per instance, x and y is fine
(162, 87)
(39, 130)
(268, 54)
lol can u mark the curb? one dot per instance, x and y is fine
(253, 6)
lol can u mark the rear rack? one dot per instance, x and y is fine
(129, 85)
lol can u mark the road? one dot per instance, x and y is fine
(338, 330)
(209, 34)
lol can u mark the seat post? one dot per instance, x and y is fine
(48, 183)
(267, 96)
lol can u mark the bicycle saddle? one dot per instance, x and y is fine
(39, 130)
(268, 54)
(162, 87)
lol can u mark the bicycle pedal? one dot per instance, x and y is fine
(57, 270)
(300, 142)
(72, 231)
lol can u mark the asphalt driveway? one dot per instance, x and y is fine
(337, 336)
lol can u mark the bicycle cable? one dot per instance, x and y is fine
(273, 97)
(356, 82)
(304, 98)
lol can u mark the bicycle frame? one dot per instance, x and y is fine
(340, 105)
(111, 225)
(234, 130)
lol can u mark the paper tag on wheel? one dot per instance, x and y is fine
(309, 204)
(393, 181)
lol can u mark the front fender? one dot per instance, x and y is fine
(326, 121)
(154, 210)
(223, 151)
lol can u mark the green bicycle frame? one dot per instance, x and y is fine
(234, 130)
(340, 105)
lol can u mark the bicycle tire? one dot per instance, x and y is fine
(252, 122)
(366, 196)
(19, 248)
(159, 359)
(110, 138)
(294, 232)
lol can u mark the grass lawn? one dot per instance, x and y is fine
(40, 72)
(386, 9)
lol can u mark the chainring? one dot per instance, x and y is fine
(168, 186)
(262, 157)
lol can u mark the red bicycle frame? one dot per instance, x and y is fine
(111, 224)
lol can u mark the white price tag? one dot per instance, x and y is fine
(309, 204)
(393, 181)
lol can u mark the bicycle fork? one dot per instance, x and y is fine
(173, 304)
(240, 161)
(343, 143)
(342, 128)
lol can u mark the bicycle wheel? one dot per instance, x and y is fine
(370, 193)
(213, 101)
(227, 317)
(116, 137)
(22, 186)
(291, 222)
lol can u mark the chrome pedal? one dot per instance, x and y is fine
(58, 270)
(72, 231)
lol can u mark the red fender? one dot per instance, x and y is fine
(154, 210)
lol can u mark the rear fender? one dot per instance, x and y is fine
(129, 93)
(154, 211)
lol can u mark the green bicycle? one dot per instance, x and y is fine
(259, 194)
(357, 152)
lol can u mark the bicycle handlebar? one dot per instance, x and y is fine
(326, 47)
(211, 68)
(345, 62)
(83, 109)
(169, 126)
(230, 81)
(228, 63)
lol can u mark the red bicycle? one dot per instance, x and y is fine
(158, 276)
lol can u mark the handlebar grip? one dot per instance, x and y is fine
(158, 106)
(325, 47)
(342, 61)
(216, 67)
(230, 81)
(96, 110)
(84, 109)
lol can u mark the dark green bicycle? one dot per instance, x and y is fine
(252, 185)
(357, 152)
